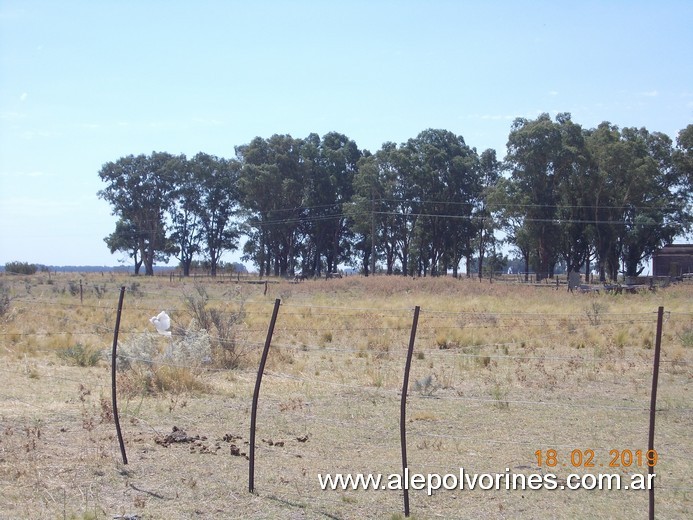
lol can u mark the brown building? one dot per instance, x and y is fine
(673, 260)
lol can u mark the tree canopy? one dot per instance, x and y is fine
(563, 196)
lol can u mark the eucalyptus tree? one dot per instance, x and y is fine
(484, 221)
(385, 207)
(400, 205)
(216, 204)
(683, 170)
(368, 189)
(683, 161)
(389, 194)
(533, 147)
(271, 187)
(575, 178)
(641, 202)
(610, 157)
(654, 213)
(139, 190)
(447, 171)
(508, 204)
(331, 165)
(184, 214)
(127, 239)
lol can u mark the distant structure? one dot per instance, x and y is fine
(674, 260)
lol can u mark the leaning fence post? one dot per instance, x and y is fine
(403, 409)
(256, 394)
(116, 419)
(653, 406)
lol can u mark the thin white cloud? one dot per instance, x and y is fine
(23, 97)
(651, 93)
(12, 116)
(495, 117)
(17, 208)
(30, 174)
(553, 93)
(34, 134)
(207, 122)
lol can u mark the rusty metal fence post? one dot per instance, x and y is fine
(256, 395)
(114, 399)
(653, 407)
(403, 409)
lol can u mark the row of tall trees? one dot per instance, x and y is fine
(420, 205)
(562, 194)
(170, 205)
(293, 194)
(608, 194)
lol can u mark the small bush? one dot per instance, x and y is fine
(74, 287)
(151, 365)
(483, 361)
(100, 290)
(379, 345)
(4, 300)
(621, 338)
(81, 355)
(176, 380)
(426, 386)
(20, 268)
(595, 312)
(686, 337)
(220, 327)
(135, 289)
(500, 397)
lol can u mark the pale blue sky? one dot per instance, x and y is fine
(84, 83)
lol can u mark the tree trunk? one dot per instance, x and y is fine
(366, 260)
(526, 257)
(213, 263)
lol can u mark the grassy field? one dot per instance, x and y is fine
(499, 372)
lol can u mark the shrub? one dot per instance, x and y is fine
(4, 300)
(426, 386)
(595, 311)
(500, 397)
(220, 327)
(149, 365)
(74, 287)
(81, 355)
(20, 268)
(686, 337)
(135, 289)
(100, 290)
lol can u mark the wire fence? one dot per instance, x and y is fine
(342, 392)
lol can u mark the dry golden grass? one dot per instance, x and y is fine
(500, 371)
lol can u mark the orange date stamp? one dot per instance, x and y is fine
(588, 458)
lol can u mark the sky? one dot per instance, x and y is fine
(83, 83)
